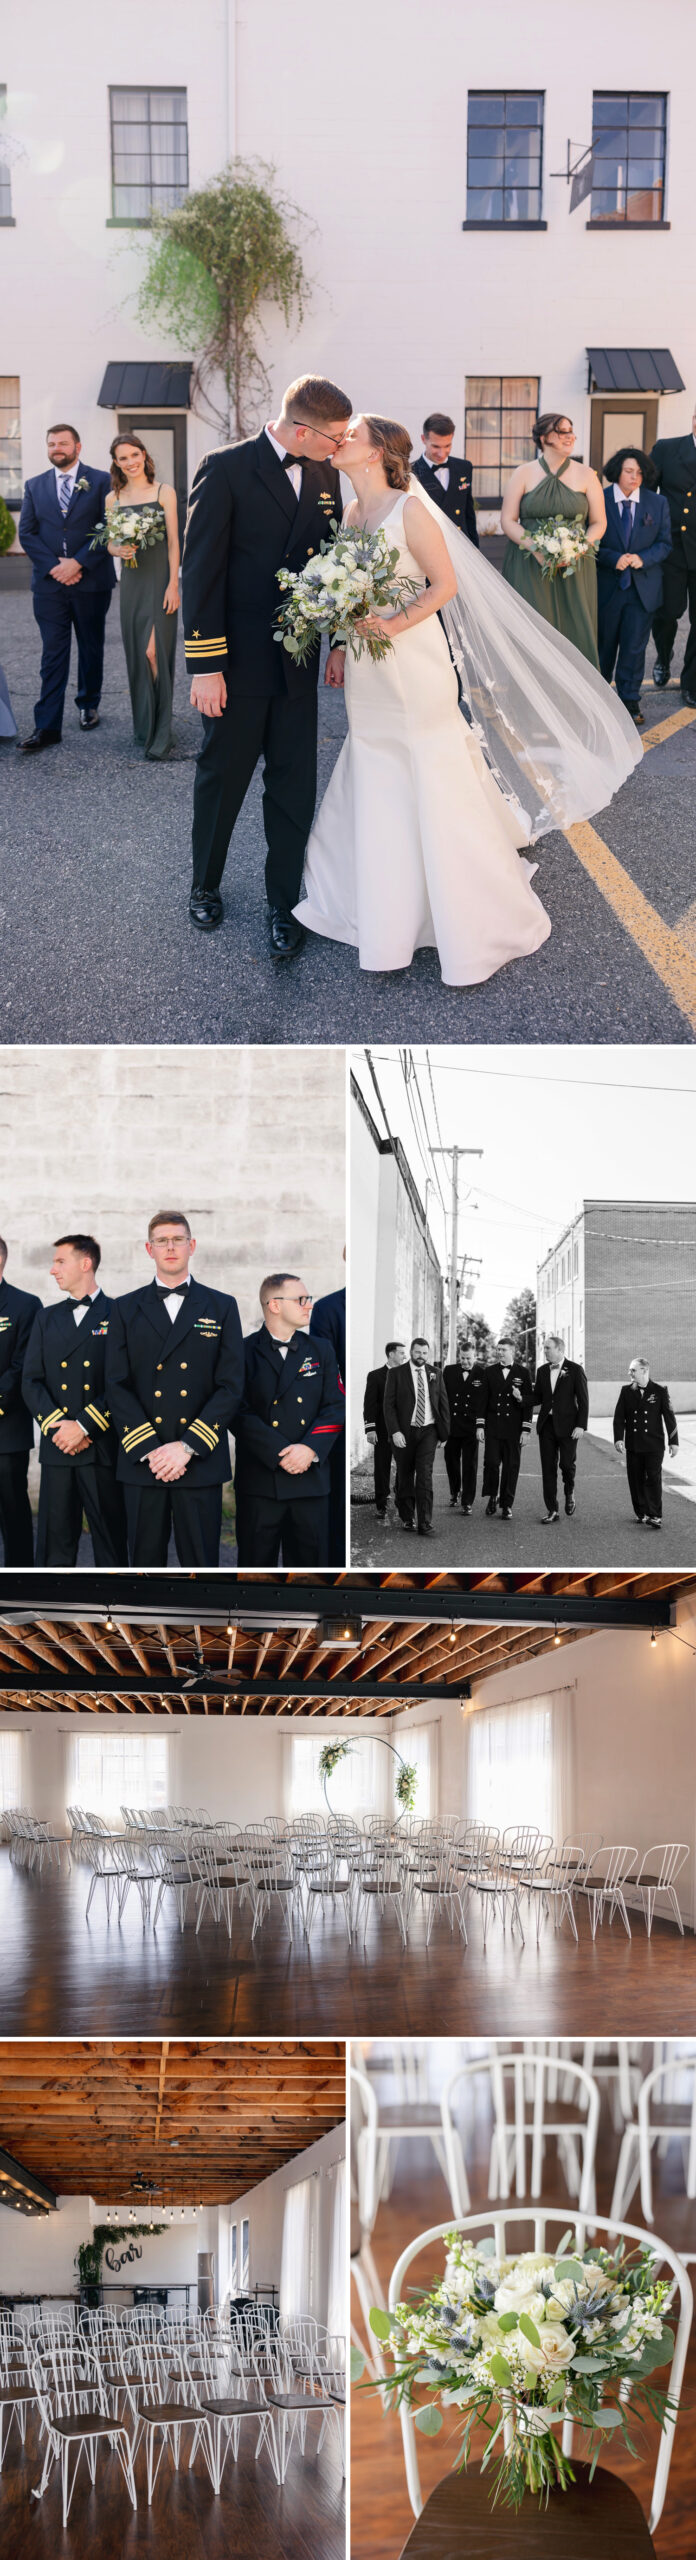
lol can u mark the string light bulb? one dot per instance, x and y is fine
(453, 1633)
(653, 1638)
(556, 1637)
(108, 1622)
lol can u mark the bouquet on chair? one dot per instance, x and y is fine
(524, 2342)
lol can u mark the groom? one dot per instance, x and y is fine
(256, 507)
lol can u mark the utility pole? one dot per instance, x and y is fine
(454, 1153)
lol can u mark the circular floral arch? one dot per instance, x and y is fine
(406, 1784)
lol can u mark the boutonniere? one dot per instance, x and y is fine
(82, 484)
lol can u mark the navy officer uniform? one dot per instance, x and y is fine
(674, 458)
(64, 1380)
(292, 1394)
(449, 483)
(328, 1323)
(17, 1312)
(642, 1418)
(51, 530)
(382, 1452)
(467, 1396)
(509, 1406)
(175, 1376)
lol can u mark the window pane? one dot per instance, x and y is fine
(244, 2271)
(10, 438)
(521, 390)
(607, 206)
(488, 171)
(645, 173)
(524, 110)
(485, 204)
(487, 110)
(521, 204)
(482, 387)
(149, 147)
(523, 162)
(646, 206)
(609, 110)
(646, 110)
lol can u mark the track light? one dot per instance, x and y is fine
(335, 1631)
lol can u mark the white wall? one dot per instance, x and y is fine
(264, 2206)
(234, 1766)
(42, 2254)
(365, 116)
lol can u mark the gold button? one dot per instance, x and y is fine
(158, 1392)
(159, 1365)
(276, 1426)
(64, 1364)
(183, 1364)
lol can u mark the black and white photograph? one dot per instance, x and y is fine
(523, 1307)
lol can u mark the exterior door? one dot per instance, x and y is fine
(164, 433)
(616, 422)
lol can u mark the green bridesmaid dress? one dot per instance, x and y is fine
(142, 611)
(569, 603)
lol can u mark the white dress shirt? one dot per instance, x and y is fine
(175, 1297)
(555, 1375)
(294, 472)
(440, 470)
(79, 1312)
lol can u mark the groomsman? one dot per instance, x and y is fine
(642, 1421)
(72, 585)
(416, 1412)
(447, 476)
(466, 1388)
(375, 1426)
(561, 1392)
(17, 1312)
(175, 1371)
(290, 1419)
(328, 1324)
(64, 1385)
(509, 1405)
(674, 458)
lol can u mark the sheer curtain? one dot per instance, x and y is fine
(520, 1763)
(106, 1770)
(313, 2258)
(418, 1745)
(296, 2257)
(360, 1784)
(336, 2269)
(12, 1778)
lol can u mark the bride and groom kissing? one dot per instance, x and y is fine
(481, 728)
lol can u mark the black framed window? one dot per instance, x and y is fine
(5, 171)
(500, 413)
(505, 135)
(629, 136)
(10, 440)
(149, 151)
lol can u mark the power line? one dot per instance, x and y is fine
(585, 1084)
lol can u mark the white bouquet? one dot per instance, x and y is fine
(533, 2339)
(347, 579)
(142, 528)
(562, 542)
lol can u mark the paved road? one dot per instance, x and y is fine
(604, 1527)
(95, 876)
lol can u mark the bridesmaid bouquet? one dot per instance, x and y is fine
(522, 2343)
(347, 579)
(130, 524)
(561, 541)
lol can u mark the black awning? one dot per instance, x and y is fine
(627, 369)
(146, 386)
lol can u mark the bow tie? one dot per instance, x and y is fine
(291, 462)
(176, 1290)
(81, 1302)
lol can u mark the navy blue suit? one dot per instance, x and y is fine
(628, 598)
(47, 536)
(328, 1322)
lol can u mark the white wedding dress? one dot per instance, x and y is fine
(414, 844)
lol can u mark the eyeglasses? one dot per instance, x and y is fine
(300, 1300)
(319, 431)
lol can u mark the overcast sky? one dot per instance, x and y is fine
(557, 1125)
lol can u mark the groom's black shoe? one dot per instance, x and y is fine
(205, 908)
(688, 697)
(660, 674)
(89, 719)
(287, 936)
(39, 738)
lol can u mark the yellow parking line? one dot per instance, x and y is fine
(671, 959)
(666, 728)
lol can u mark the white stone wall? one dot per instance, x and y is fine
(365, 117)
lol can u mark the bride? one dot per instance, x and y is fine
(416, 842)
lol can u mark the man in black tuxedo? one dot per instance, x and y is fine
(327, 1323)
(447, 476)
(561, 1392)
(64, 1385)
(175, 1371)
(17, 1312)
(72, 585)
(643, 1420)
(675, 463)
(416, 1412)
(466, 1385)
(291, 1418)
(255, 508)
(509, 1405)
(375, 1426)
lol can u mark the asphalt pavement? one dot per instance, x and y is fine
(94, 894)
(603, 1527)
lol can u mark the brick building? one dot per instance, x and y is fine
(397, 1287)
(621, 1279)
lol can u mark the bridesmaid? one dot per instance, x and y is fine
(149, 596)
(555, 485)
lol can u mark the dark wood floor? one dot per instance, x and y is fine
(252, 2517)
(61, 1976)
(381, 2515)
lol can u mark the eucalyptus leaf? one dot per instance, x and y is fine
(509, 2320)
(429, 2421)
(486, 2247)
(529, 2329)
(564, 2243)
(592, 2364)
(500, 2370)
(380, 2323)
(606, 2418)
(569, 2267)
(357, 2364)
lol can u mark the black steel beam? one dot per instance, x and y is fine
(183, 1597)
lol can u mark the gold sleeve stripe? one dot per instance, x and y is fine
(219, 642)
(96, 1416)
(131, 1438)
(204, 1433)
(206, 648)
(49, 1418)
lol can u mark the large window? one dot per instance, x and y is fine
(5, 171)
(628, 145)
(504, 155)
(11, 1770)
(234, 2288)
(245, 2271)
(520, 1764)
(500, 413)
(149, 151)
(10, 439)
(107, 1770)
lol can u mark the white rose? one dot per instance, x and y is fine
(522, 2281)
